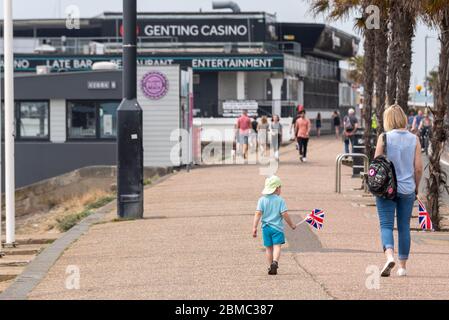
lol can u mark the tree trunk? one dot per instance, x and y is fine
(437, 177)
(406, 34)
(368, 85)
(381, 45)
(394, 53)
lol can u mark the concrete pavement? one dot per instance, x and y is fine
(196, 243)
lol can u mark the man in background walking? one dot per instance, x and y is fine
(244, 131)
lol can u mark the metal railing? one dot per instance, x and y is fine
(339, 163)
(113, 45)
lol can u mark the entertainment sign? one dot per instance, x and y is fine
(199, 63)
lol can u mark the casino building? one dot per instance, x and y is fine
(238, 59)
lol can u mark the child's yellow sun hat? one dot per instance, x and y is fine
(271, 184)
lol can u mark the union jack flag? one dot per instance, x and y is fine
(316, 219)
(424, 217)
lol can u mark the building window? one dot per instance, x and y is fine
(33, 119)
(108, 120)
(92, 119)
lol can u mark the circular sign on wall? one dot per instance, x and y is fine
(154, 85)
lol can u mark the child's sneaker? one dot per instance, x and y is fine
(273, 270)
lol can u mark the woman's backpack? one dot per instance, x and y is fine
(382, 181)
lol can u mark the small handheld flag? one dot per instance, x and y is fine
(315, 219)
(425, 222)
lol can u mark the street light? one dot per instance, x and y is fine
(9, 123)
(129, 125)
(426, 83)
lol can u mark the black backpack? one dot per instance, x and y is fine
(382, 181)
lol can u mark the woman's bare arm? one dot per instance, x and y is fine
(418, 165)
(380, 146)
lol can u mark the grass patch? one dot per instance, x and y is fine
(97, 204)
(148, 182)
(66, 223)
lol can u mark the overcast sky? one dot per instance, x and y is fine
(286, 10)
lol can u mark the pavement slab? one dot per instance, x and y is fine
(195, 242)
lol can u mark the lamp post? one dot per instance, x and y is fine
(425, 69)
(1, 165)
(129, 125)
(9, 124)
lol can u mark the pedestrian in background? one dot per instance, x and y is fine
(299, 109)
(318, 124)
(404, 150)
(351, 125)
(244, 130)
(253, 135)
(302, 133)
(417, 122)
(410, 120)
(276, 135)
(336, 122)
(262, 135)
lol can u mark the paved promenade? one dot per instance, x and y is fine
(196, 242)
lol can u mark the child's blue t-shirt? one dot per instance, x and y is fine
(272, 208)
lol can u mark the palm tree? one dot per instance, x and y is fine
(381, 45)
(369, 47)
(356, 69)
(340, 9)
(436, 14)
(432, 80)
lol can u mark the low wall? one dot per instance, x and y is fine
(47, 194)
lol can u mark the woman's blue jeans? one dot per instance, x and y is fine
(403, 207)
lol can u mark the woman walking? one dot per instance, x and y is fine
(318, 124)
(302, 133)
(262, 135)
(276, 136)
(404, 150)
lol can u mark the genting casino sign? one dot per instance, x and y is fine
(219, 30)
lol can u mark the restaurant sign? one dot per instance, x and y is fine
(198, 63)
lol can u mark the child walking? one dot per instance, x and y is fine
(272, 209)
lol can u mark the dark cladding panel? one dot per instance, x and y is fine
(319, 39)
(39, 161)
(306, 34)
(82, 85)
(206, 94)
(337, 43)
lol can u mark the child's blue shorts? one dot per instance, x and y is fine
(272, 237)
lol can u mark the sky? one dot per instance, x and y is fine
(286, 10)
